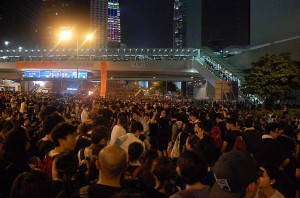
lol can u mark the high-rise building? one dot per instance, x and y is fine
(105, 22)
(179, 24)
(187, 23)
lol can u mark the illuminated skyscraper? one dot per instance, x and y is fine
(105, 21)
(187, 23)
(179, 24)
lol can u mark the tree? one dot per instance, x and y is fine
(272, 77)
(160, 86)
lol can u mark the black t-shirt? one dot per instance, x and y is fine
(154, 193)
(230, 137)
(44, 147)
(99, 190)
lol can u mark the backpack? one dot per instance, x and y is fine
(132, 180)
(176, 148)
(216, 134)
(239, 145)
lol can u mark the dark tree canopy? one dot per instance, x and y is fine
(272, 77)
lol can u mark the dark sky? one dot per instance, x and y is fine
(147, 23)
(144, 23)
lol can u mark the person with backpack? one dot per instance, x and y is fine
(131, 176)
(64, 139)
(233, 140)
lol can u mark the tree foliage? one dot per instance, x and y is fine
(272, 77)
(160, 86)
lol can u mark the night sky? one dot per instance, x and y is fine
(144, 23)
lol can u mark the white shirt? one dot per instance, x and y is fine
(125, 140)
(84, 116)
(117, 131)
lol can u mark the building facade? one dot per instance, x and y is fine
(187, 23)
(105, 22)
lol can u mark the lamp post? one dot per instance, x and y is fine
(67, 35)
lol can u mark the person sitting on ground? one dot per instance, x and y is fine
(192, 169)
(112, 162)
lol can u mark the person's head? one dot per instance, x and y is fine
(191, 142)
(63, 135)
(100, 135)
(136, 115)
(148, 158)
(268, 176)
(249, 122)
(237, 175)
(163, 113)
(163, 170)
(50, 122)
(122, 120)
(17, 142)
(146, 117)
(272, 130)
(135, 151)
(193, 116)
(231, 123)
(5, 127)
(206, 149)
(191, 168)
(32, 184)
(47, 111)
(65, 166)
(219, 117)
(112, 162)
(136, 128)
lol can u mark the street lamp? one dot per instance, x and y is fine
(66, 35)
(6, 43)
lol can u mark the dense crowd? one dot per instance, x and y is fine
(84, 146)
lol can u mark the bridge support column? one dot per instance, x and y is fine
(183, 88)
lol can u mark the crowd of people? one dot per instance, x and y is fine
(85, 146)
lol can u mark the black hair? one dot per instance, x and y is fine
(270, 127)
(136, 126)
(47, 111)
(61, 131)
(136, 112)
(50, 122)
(66, 166)
(32, 184)
(192, 141)
(135, 151)
(192, 167)
(248, 122)
(206, 126)
(163, 169)
(99, 133)
(123, 120)
(231, 121)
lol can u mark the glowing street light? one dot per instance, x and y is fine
(89, 37)
(65, 35)
(6, 43)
